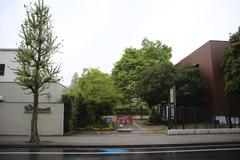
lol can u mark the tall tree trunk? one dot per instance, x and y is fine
(150, 113)
(130, 106)
(34, 129)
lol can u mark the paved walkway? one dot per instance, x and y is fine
(124, 139)
(138, 127)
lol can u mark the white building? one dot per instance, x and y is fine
(15, 114)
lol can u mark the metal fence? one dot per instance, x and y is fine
(198, 117)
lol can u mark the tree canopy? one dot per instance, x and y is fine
(154, 83)
(98, 92)
(74, 79)
(125, 71)
(134, 61)
(231, 65)
(189, 85)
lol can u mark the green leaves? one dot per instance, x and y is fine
(97, 89)
(36, 70)
(231, 65)
(134, 61)
(189, 85)
(154, 83)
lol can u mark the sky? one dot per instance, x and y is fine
(96, 32)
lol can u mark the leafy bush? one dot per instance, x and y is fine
(135, 110)
(155, 119)
(67, 100)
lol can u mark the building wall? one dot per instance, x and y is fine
(7, 58)
(220, 100)
(209, 57)
(14, 120)
(203, 58)
(12, 92)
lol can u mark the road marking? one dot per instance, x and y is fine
(134, 152)
(112, 150)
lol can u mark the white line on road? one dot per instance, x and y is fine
(134, 152)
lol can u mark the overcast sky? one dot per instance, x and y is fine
(95, 32)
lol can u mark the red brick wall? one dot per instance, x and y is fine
(209, 57)
(202, 56)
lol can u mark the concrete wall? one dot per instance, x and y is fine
(204, 131)
(14, 120)
(12, 92)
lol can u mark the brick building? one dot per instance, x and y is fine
(208, 58)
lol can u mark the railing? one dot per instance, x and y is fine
(200, 117)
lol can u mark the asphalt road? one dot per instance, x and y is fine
(220, 152)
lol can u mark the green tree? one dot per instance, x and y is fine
(189, 85)
(125, 72)
(154, 83)
(155, 52)
(98, 92)
(231, 65)
(36, 69)
(74, 79)
(134, 61)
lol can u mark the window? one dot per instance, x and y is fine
(2, 68)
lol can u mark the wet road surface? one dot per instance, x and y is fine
(220, 152)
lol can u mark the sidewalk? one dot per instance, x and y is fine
(122, 140)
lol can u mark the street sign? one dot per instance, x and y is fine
(172, 111)
(109, 120)
(173, 95)
(124, 119)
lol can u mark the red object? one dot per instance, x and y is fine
(123, 119)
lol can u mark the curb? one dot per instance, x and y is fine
(114, 146)
(203, 131)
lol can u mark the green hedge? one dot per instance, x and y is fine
(67, 100)
(135, 110)
(74, 112)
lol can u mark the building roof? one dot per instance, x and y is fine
(194, 52)
(8, 49)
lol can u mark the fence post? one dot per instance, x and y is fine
(169, 117)
(183, 117)
(175, 115)
(195, 118)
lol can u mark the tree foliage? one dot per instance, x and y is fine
(134, 61)
(36, 69)
(189, 85)
(98, 93)
(125, 71)
(154, 83)
(231, 65)
(74, 79)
